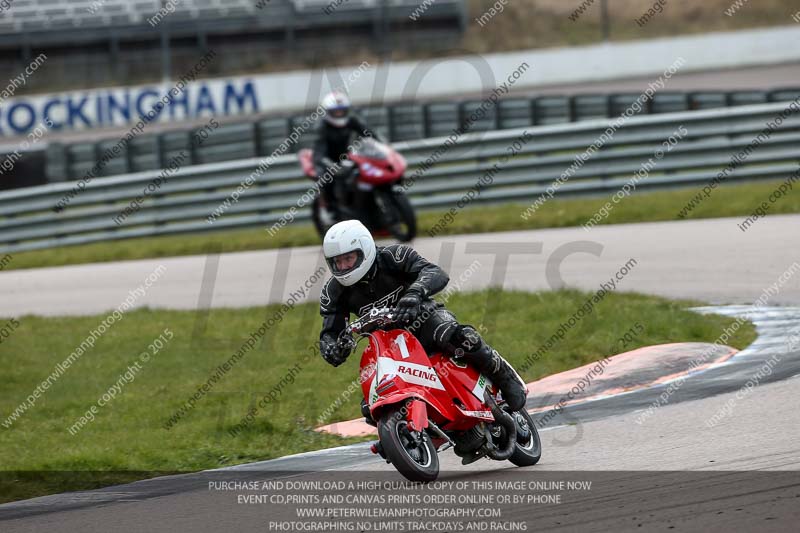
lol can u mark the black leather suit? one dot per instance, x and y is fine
(331, 144)
(398, 270)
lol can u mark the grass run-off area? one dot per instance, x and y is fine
(128, 436)
(726, 201)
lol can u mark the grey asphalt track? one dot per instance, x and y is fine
(707, 260)
(719, 455)
(753, 78)
(669, 469)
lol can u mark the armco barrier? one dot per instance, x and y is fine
(184, 202)
(398, 122)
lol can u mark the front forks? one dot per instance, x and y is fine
(417, 415)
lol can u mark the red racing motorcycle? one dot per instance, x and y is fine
(425, 404)
(372, 173)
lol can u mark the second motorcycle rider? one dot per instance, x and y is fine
(334, 135)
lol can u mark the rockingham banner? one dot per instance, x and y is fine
(98, 108)
(188, 98)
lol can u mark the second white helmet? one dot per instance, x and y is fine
(337, 108)
(340, 242)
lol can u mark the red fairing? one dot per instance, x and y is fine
(398, 162)
(396, 371)
(461, 381)
(377, 171)
(380, 164)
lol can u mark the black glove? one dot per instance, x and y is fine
(408, 308)
(322, 166)
(331, 352)
(344, 170)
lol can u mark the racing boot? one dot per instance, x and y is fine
(328, 196)
(367, 415)
(497, 369)
(332, 213)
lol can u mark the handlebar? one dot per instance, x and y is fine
(376, 317)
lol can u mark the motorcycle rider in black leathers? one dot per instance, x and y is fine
(334, 136)
(366, 276)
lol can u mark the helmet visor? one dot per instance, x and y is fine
(342, 264)
(338, 112)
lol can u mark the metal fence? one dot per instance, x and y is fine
(400, 122)
(30, 23)
(188, 196)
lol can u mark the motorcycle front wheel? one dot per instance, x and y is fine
(399, 216)
(412, 453)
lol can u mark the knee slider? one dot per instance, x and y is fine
(467, 338)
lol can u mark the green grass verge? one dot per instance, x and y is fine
(128, 438)
(728, 200)
(525, 24)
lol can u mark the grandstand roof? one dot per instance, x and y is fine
(43, 15)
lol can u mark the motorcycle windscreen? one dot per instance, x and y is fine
(371, 149)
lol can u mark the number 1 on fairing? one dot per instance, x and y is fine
(400, 341)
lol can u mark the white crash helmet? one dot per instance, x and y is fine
(349, 236)
(337, 109)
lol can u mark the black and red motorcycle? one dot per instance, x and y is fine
(372, 173)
